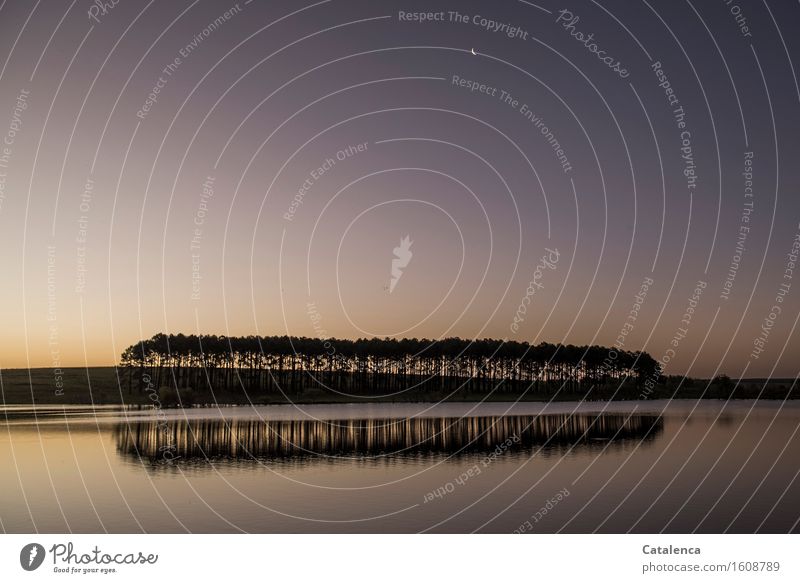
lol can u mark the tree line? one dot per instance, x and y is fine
(291, 364)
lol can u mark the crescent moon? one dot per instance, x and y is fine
(473, 51)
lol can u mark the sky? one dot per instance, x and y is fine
(593, 173)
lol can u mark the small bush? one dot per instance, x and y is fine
(167, 396)
(187, 397)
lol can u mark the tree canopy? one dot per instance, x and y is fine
(376, 365)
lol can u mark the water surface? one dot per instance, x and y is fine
(654, 466)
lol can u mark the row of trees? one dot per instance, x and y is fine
(376, 365)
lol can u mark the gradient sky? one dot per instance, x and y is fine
(260, 101)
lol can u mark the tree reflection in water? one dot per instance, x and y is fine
(196, 440)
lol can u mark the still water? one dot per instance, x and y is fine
(683, 466)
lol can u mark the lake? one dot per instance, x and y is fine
(680, 466)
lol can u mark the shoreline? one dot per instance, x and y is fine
(100, 386)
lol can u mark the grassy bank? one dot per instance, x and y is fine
(100, 385)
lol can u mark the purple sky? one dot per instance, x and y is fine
(217, 167)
